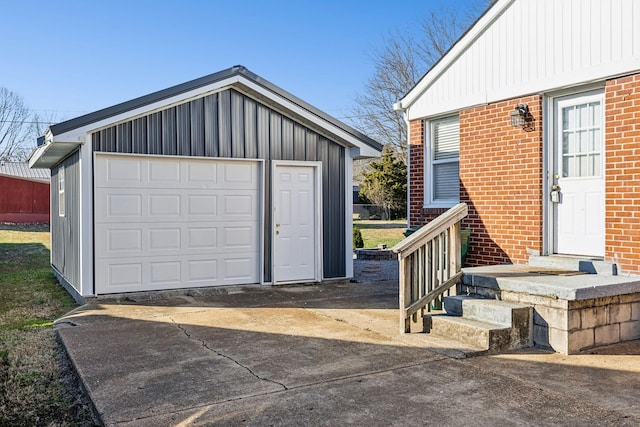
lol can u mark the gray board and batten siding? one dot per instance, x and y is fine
(65, 230)
(229, 124)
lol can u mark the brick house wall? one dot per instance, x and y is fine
(500, 180)
(622, 172)
(416, 174)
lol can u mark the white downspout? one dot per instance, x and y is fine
(399, 107)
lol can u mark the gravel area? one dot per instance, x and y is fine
(375, 271)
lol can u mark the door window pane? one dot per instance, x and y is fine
(582, 140)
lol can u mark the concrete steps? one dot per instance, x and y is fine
(574, 263)
(491, 326)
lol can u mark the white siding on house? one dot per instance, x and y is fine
(530, 46)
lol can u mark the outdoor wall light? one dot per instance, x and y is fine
(521, 117)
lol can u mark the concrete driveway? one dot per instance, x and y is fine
(324, 355)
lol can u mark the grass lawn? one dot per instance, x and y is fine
(38, 387)
(377, 232)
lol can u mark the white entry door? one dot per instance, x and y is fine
(296, 231)
(578, 188)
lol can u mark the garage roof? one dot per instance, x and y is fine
(63, 138)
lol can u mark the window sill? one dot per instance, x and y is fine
(440, 205)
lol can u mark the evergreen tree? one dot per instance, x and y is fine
(385, 184)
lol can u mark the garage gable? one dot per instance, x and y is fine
(63, 138)
(223, 124)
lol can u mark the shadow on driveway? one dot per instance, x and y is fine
(322, 355)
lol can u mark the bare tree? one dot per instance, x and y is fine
(399, 64)
(15, 126)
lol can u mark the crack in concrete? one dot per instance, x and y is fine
(219, 353)
(294, 388)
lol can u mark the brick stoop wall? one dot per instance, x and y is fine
(570, 327)
(500, 179)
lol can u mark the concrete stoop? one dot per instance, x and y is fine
(578, 304)
(489, 325)
(573, 263)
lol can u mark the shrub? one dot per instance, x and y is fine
(358, 242)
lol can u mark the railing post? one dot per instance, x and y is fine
(405, 294)
(455, 261)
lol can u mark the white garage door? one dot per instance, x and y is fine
(173, 222)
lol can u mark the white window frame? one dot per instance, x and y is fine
(61, 192)
(429, 201)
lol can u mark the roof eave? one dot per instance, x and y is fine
(461, 45)
(51, 153)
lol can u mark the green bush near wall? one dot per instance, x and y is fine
(358, 242)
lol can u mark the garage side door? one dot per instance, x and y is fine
(167, 222)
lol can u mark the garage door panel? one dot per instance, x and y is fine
(124, 240)
(164, 206)
(173, 172)
(239, 237)
(119, 205)
(202, 237)
(165, 239)
(202, 174)
(237, 269)
(141, 205)
(118, 171)
(164, 173)
(202, 205)
(164, 274)
(201, 229)
(202, 271)
(158, 239)
(121, 275)
(240, 175)
(169, 272)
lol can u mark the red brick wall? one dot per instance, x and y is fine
(500, 180)
(622, 172)
(416, 173)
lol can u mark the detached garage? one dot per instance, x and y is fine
(223, 180)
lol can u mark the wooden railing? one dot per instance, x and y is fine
(429, 264)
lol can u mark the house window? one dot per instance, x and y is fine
(442, 170)
(61, 197)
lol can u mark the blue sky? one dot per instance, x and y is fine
(68, 58)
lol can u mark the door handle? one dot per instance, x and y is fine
(277, 225)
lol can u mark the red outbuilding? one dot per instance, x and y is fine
(24, 193)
